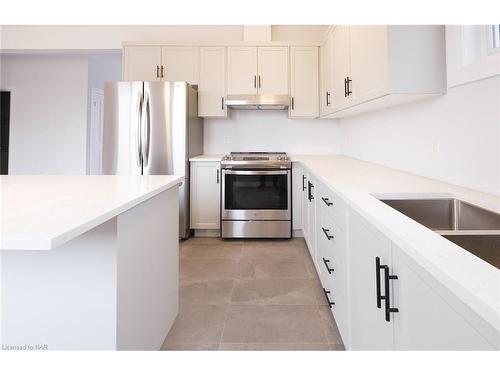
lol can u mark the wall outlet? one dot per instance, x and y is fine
(435, 145)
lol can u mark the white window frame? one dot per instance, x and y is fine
(486, 61)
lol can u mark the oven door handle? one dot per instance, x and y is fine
(254, 172)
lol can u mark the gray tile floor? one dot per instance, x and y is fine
(250, 295)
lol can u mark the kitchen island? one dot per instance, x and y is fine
(88, 262)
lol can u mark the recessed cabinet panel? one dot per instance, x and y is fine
(180, 64)
(304, 82)
(242, 71)
(212, 87)
(205, 195)
(326, 76)
(369, 62)
(272, 70)
(341, 67)
(141, 63)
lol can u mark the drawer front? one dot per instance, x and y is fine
(332, 205)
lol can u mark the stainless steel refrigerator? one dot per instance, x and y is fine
(152, 128)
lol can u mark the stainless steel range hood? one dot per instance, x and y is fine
(258, 102)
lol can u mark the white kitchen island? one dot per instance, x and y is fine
(88, 262)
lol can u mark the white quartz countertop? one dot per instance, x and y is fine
(475, 282)
(43, 212)
(215, 157)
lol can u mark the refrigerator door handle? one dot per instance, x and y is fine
(145, 138)
(139, 128)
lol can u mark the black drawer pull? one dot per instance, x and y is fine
(325, 231)
(327, 292)
(330, 270)
(310, 195)
(387, 294)
(304, 178)
(327, 202)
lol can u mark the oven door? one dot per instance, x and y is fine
(256, 194)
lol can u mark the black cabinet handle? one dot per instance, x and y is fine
(255, 81)
(259, 82)
(157, 71)
(327, 202)
(309, 191)
(387, 294)
(293, 106)
(388, 308)
(330, 270)
(327, 98)
(345, 87)
(325, 231)
(330, 303)
(222, 103)
(161, 71)
(348, 81)
(218, 176)
(304, 178)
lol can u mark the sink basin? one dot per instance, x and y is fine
(446, 214)
(471, 227)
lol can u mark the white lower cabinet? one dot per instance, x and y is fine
(380, 297)
(369, 328)
(205, 195)
(296, 197)
(426, 321)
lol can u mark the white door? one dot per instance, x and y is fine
(242, 70)
(180, 64)
(341, 67)
(426, 321)
(304, 82)
(212, 87)
(369, 62)
(326, 74)
(96, 121)
(205, 195)
(273, 70)
(369, 329)
(141, 63)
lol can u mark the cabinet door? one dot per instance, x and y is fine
(296, 196)
(141, 63)
(426, 321)
(304, 82)
(242, 70)
(205, 195)
(369, 329)
(212, 87)
(340, 66)
(326, 73)
(305, 206)
(273, 70)
(311, 216)
(180, 64)
(369, 62)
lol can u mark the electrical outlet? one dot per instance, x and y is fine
(435, 145)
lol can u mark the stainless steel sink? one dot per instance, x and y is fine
(446, 214)
(471, 227)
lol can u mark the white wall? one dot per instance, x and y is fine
(48, 128)
(270, 131)
(465, 121)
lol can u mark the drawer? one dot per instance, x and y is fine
(332, 205)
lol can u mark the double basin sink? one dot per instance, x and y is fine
(471, 227)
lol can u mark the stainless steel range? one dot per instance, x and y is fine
(256, 195)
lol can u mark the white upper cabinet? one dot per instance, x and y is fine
(212, 85)
(180, 64)
(341, 69)
(304, 82)
(257, 70)
(242, 71)
(378, 66)
(145, 63)
(141, 63)
(326, 77)
(272, 70)
(369, 62)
